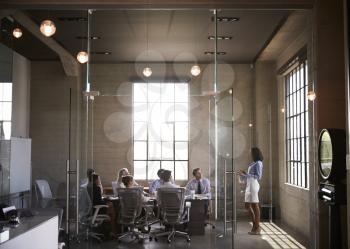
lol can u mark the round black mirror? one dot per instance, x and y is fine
(325, 154)
(332, 154)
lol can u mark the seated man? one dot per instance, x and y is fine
(156, 183)
(166, 180)
(199, 184)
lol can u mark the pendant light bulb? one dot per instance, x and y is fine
(147, 72)
(195, 70)
(17, 33)
(47, 28)
(311, 95)
(82, 57)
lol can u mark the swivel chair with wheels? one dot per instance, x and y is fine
(172, 206)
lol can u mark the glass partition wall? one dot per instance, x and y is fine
(154, 90)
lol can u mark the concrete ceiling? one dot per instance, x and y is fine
(169, 35)
(292, 29)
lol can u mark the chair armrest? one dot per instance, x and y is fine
(97, 210)
(188, 209)
(100, 206)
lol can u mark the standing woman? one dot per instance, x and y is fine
(252, 178)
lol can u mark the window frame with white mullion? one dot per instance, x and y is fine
(162, 126)
(296, 123)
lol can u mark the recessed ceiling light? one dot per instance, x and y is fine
(211, 53)
(85, 37)
(226, 19)
(212, 37)
(101, 52)
(72, 19)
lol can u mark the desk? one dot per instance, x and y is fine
(29, 233)
(197, 216)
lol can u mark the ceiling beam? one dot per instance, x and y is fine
(69, 63)
(246, 4)
(5, 13)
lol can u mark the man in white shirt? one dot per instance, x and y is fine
(156, 183)
(166, 180)
(199, 184)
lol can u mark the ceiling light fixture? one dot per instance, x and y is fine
(17, 33)
(311, 95)
(227, 19)
(73, 19)
(147, 72)
(195, 70)
(212, 37)
(47, 28)
(85, 37)
(212, 53)
(101, 52)
(82, 57)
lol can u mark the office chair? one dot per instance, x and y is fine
(44, 195)
(130, 201)
(90, 220)
(172, 204)
(114, 188)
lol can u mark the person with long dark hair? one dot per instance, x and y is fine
(252, 177)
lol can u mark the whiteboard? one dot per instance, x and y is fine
(20, 164)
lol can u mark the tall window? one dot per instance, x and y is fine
(5, 110)
(297, 132)
(160, 124)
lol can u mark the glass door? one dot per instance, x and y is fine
(158, 65)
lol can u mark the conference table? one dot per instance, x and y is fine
(198, 214)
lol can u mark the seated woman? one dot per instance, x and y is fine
(95, 193)
(123, 172)
(128, 182)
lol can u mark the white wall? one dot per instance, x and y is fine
(20, 95)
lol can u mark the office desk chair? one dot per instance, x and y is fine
(172, 205)
(88, 219)
(130, 201)
(44, 195)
